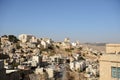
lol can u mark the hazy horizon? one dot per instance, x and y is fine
(83, 20)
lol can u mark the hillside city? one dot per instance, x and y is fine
(27, 57)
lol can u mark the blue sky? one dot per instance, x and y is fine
(83, 20)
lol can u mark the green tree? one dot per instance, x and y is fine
(13, 38)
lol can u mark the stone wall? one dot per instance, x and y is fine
(112, 48)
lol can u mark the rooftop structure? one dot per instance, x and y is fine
(112, 48)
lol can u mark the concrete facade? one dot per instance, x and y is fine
(107, 61)
(112, 48)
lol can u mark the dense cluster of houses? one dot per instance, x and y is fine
(30, 58)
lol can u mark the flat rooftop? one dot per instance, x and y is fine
(113, 45)
(111, 57)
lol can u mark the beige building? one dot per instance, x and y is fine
(24, 37)
(112, 48)
(67, 40)
(4, 39)
(110, 67)
(27, 38)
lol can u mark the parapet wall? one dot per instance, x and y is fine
(112, 48)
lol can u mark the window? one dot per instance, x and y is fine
(115, 72)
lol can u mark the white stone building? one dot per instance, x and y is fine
(44, 44)
(67, 40)
(27, 38)
(50, 72)
(38, 59)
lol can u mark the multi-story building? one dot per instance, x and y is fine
(110, 67)
(36, 60)
(110, 63)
